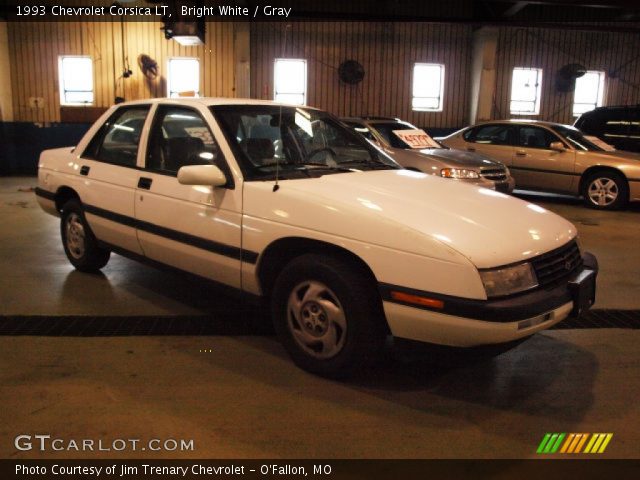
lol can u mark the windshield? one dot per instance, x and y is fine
(577, 139)
(387, 129)
(294, 141)
(362, 130)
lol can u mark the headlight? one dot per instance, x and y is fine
(508, 280)
(458, 173)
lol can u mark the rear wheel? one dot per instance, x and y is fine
(78, 240)
(605, 190)
(328, 315)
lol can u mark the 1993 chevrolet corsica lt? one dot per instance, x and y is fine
(286, 203)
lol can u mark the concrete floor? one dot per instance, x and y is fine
(238, 395)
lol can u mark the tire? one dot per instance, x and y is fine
(605, 190)
(328, 315)
(78, 240)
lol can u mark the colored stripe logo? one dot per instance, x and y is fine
(574, 443)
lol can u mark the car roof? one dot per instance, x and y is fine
(211, 101)
(370, 119)
(523, 121)
(616, 107)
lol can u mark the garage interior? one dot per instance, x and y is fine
(137, 351)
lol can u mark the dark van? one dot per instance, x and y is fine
(618, 126)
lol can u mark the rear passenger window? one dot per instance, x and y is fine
(492, 134)
(118, 139)
(180, 137)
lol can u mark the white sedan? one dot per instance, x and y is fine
(287, 204)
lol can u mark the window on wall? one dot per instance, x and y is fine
(428, 87)
(290, 81)
(588, 93)
(76, 80)
(184, 77)
(526, 86)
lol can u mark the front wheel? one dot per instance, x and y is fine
(78, 240)
(328, 315)
(605, 191)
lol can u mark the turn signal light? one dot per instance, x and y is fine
(417, 300)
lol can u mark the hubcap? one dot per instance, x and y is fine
(316, 319)
(74, 232)
(603, 191)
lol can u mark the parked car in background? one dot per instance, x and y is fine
(413, 149)
(618, 126)
(287, 205)
(551, 157)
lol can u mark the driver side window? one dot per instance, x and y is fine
(534, 137)
(180, 137)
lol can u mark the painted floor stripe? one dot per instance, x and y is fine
(555, 447)
(605, 443)
(551, 442)
(590, 444)
(582, 442)
(544, 441)
(577, 438)
(567, 443)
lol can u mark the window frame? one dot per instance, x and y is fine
(538, 98)
(305, 80)
(245, 164)
(101, 133)
(169, 90)
(599, 94)
(61, 84)
(513, 131)
(440, 97)
(222, 163)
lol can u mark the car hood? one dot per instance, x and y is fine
(413, 212)
(443, 157)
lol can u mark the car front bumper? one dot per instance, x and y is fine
(505, 186)
(469, 323)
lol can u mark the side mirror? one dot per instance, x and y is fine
(557, 146)
(208, 175)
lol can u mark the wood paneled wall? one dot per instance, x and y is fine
(617, 54)
(386, 50)
(35, 47)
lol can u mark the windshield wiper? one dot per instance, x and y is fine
(320, 166)
(370, 163)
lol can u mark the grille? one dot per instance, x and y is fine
(497, 174)
(557, 265)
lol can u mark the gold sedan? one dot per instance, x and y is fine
(552, 157)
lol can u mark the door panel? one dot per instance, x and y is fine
(194, 228)
(536, 166)
(108, 166)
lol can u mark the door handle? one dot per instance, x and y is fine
(471, 149)
(145, 183)
(521, 153)
(84, 170)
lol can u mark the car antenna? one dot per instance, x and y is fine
(276, 187)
